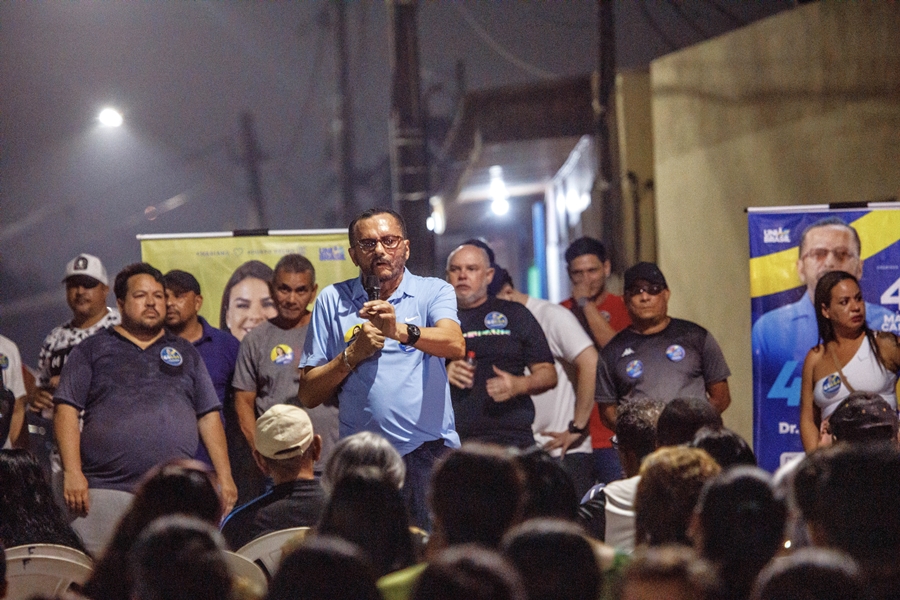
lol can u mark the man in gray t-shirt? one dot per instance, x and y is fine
(266, 371)
(657, 356)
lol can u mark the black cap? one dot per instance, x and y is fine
(863, 416)
(181, 282)
(644, 271)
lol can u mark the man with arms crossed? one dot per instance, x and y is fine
(146, 396)
(384, 357)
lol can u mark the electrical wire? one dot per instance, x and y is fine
(736, 20)
(689, 20)
(496, 47)
(656, 27)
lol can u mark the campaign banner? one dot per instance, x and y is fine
(784, 323)
(232, 269)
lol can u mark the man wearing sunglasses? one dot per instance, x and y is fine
(87, 287)
(658, 356)
(379, 342)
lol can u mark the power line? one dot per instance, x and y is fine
(496, 47)
(655, 26)
(730, 15)
(688, 19)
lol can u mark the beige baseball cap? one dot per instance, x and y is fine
(283, 431)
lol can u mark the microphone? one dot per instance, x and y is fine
(373, 286)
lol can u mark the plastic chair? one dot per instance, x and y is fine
(45, 575)
(244, 568)
(51, 550)
(266, 551)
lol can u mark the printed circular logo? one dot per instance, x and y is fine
(495, 320)
(351, 333)
(675, 353)
(4, 362)
(832, 384)
(282, 354)
(635, 369)
(171, 356)
(606, 315)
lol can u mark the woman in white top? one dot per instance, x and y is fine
(850, 357)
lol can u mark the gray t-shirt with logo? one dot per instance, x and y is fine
(267, 364)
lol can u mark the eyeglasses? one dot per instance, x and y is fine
(820, 254)
(654, 289)
(390, 242)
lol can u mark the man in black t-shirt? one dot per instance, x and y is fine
(492, 397)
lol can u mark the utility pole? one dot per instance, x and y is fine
(409, 155)
(252, 158)
(343, 122)
(608, 186)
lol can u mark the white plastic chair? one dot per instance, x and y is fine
(244, 568)
(45, 575)
(266, 551)
(51, 550)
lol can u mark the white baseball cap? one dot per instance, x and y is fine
(283, 431)
(87, 265)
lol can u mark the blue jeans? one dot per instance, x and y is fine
(607, 466)
(419, 464)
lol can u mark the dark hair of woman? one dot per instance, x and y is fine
(181, 487)
(29, 513)
(725, 446)
(741, 526)
(251, 268)
(369, 511)
(324, 568)
(823, 299)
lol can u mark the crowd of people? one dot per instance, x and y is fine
(443, 438)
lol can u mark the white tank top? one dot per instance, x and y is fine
(864, 372)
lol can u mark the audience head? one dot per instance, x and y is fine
(810, 574)
(864, 417)
(822, 299)
(636, 431)
(324, 568)
(847, 494)
(286, 445)
(3, 584)
(476, 495)
(671, 481)
(469, 572)
(363, 449)
(181, 487)
(670, 572)
(29, 513)
(555, 560)
(725, 446)
(682, 418)
(366, 509)
(549, 491)
(179, 558)
(739, 525)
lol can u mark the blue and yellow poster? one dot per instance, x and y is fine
(233, 270)
(789, 250)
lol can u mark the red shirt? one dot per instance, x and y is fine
(613, 308)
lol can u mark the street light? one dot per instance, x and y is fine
(500, 203)
(110, 117)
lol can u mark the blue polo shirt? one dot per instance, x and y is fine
(140, 406)
(219, 351)
(400, 392)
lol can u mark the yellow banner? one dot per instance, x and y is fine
(243, 262)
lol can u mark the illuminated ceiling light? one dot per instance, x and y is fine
(437, 222)
(110, 117)
(500, 203)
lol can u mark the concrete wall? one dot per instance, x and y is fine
(800, 108)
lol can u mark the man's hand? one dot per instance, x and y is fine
(40, 400)
(581, 290)
(461, 374)
(229, 492)
(502, 387)
(381, 314)
(562, 440)
(75, 491)
(368, 341)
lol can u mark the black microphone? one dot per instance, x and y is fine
(373, 287)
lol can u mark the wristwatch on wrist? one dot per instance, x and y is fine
(579, 430)
(412, 335)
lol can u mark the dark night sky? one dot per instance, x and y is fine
(183, 72)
